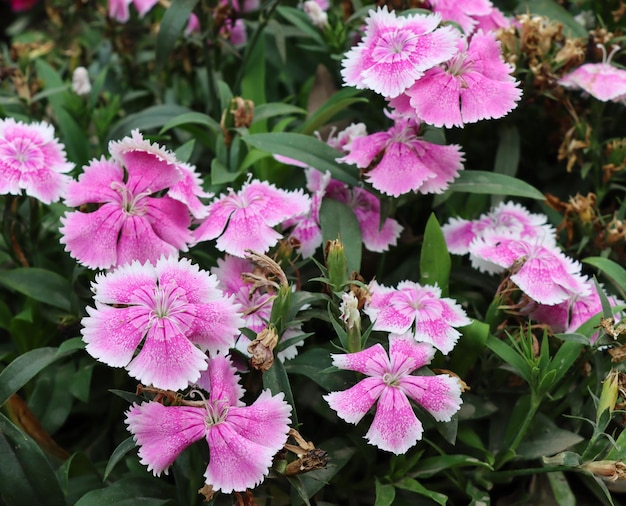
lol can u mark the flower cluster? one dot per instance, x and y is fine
(141, 204)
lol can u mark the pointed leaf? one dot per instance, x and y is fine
(478, 181)
(434, 258)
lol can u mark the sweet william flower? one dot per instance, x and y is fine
(464, 13)
(242, 439)
(245, 220)
(473, 85)
(389, 384)
(396, 51)
(144, 199)
(172, 312)
(419, 310)
(32, 160)
(406, 162)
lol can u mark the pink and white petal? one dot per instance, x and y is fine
(113, 334)
(188, 190)
(400, 170)
(498, 249)
(235, 462)
(138, 241)
(556, 315)
(438, 333)
(94, 185)
(445, 162)
(144, 6)
(363, 150)
(220, 379)
(440, 395)
(219, 213)
(453, 313)
(372, 361)
(395, 427)
(397, 318)
(487, 98)
(129, 284)
(167, 359)
(436, 98)
(163, 432)
(91, 238)
(309, 236)
(215, 325)
(118, 10)
(406, 355)
(265, 422)
(353, 404)
(535, 280)
(459, 233)
(273, 204)
(45, 185)
(198, 285)
(247, 231)
(380, 239)
(170, 220)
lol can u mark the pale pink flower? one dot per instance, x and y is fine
(242, 439)
(245, 220)
(463, 13)
(317, 15)
(22, 5)
(390, 384)
(507, 217)
(342, 140)
(493, 21)
(418, 310)
(601, 80)
(234, 31)
(81, 85)
(538, 268)
(407, 162)
(396, 51)
(33, 160)
(173, 312)
(137, 217)
(473, 85)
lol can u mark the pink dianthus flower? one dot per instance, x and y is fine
(242, 439)
(474, 84)
(408, 163)
(396, 51)
(538, 267)
(390, 384)
(418, 310)
(145, 199)
(464, 13)
(173, 312)
(119, 9)
(33, 160)
(245, 220)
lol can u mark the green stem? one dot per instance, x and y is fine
(496, 475)
(535, 402)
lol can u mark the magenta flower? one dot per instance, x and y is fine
(136, 217)
(33, 160)
(245, 220)
(509, 218)
(396, 51)
(465, 13)
(473, 85)
(173, 312)
(538, 267)
(242, 439)
(419, 310)
(407, 163)
(390, 384)
(119, 9)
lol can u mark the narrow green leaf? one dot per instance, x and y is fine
(152, 117)
(434, 258)
(334, 105)
(298, 18)
(192, 118)
(142, 491)
(612, 270)
(385, 494)
(478, 181)
(277, 381)
(564, 358)
(306, 149)
(561, 490)
(339, 222)
(26, 476)
(265, 111)
(414, 486)
(312, 363)
(39, 284)
(433, 465)
(510, 356)
(174, 20)
(469, 348)
(118, 454)
(24, 368)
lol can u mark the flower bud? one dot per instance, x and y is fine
(337, 264)
(80, 81)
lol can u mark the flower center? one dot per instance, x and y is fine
(131, 204)
(23, 155)
(391, 380)
(459, 64)
(168, 301)
(216, 411)
(394, 46)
